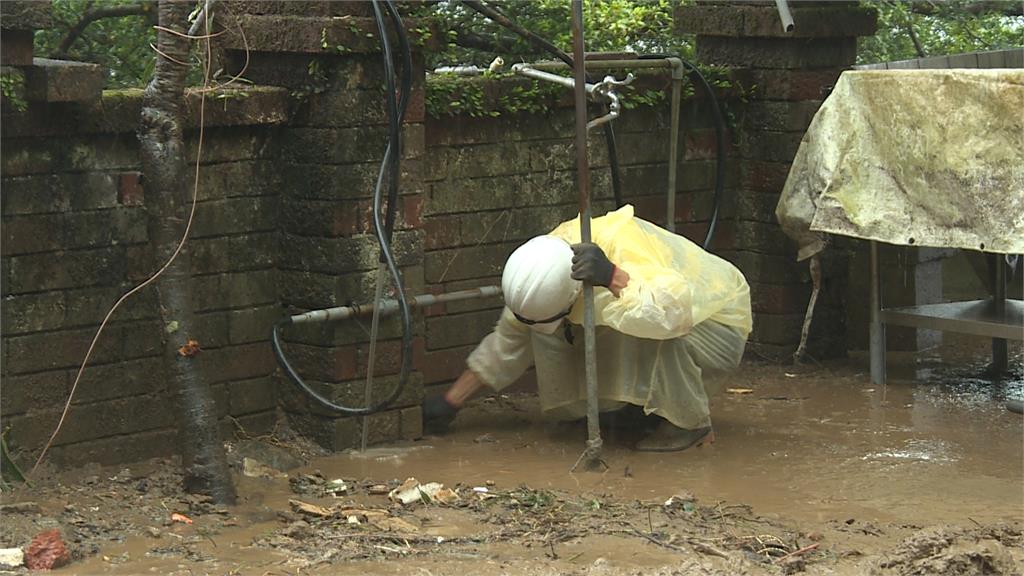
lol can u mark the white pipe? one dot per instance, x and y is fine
(785, 16)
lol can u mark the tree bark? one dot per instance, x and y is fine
(169, 202)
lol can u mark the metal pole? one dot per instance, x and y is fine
(673, 155)
(877, 336)
(372, 357)
(999, 349)
(591, 457)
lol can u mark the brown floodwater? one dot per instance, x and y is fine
(814, 445)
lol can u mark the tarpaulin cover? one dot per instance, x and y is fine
(913, 157)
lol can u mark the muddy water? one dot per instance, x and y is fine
(817, 446)
(821, 443)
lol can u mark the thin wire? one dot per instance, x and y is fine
(147, 282)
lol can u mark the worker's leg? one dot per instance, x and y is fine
(679, 394)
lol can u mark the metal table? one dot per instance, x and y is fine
(1000, 318)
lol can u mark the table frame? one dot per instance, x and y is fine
(1000, 318)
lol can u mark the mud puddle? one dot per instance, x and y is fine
(815, 471)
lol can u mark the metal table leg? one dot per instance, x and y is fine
(877, 335)
(999, 352)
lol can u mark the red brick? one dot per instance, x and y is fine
(779, 298)
(129, 189)
(760, 176)
(16, 48)
(442, 365)
(411, 211)
(441, 232)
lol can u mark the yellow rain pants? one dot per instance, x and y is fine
(684, 312)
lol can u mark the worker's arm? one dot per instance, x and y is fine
(499, 360)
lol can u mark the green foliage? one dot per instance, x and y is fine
(644, 26)
(450, 95)
(120, 44)
(13, 88)
(952, 27)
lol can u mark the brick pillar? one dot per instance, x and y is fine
(329, 156)
(785, 77)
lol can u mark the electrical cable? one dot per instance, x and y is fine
(720, 144)
(389, 165)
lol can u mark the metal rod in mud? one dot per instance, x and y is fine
(388, 307)
(372, 358)
(591, 457)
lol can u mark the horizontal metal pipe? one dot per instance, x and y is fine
(530, 72)
(670, 62)
(391, 306)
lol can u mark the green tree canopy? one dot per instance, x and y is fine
(120, 37)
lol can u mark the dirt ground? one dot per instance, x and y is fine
(814, 471)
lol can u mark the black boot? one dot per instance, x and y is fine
(670, 438)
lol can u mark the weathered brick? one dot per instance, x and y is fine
(117, 450)
(777, 269)
(221, 180)
(16, 47)
(411, 421)
(104, 227)
(467, 262)
(244, 252)
(26, 15)
(31, 194)
(442, 365)
(770, 146)
(63, 81)
(792, 85)
(241, 361)
(461, 329)
(334, 146)
(252, 324)
(120, 379)
(251, 425)
(235, 216)
(781, 116)
(32, 233)
(758, 236)
(88, 306)
(209, 329)
(777, 52)
(343, 255)
(234, 290)
(783, 329)
(779, 298)
(734, 21)
(143, 339)
(33, 392)
(255, 395)
(26, 313)
(240, 144)
(442, 232)
(761, 176)
(91, 421)
(65, 269)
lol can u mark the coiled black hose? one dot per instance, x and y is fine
(382, 228)
(697, 78)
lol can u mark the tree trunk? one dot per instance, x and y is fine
(169, 201)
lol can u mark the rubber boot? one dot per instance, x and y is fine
(670, 438)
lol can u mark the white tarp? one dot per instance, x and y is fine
(913, 157)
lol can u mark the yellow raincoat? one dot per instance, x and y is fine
(683, 312)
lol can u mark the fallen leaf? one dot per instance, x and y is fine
(739, 390)
(191, 348)
(175, 517)
(394, 524)
(311, 509)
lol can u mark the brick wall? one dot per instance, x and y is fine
(785, 77)
(74, 238)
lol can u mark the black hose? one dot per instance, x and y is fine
(395, 140)
(720, 145)
(389, 165)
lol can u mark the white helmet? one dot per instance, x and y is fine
(537, 284)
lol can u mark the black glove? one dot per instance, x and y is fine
(589, 264)
(438, 413)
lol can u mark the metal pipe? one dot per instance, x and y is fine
(591, 457)
(388, 307)
(999, 349)
(785, 16)
(531, 72)
(678, 74)
(877, 332)
(371, 360)
(673, 155)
